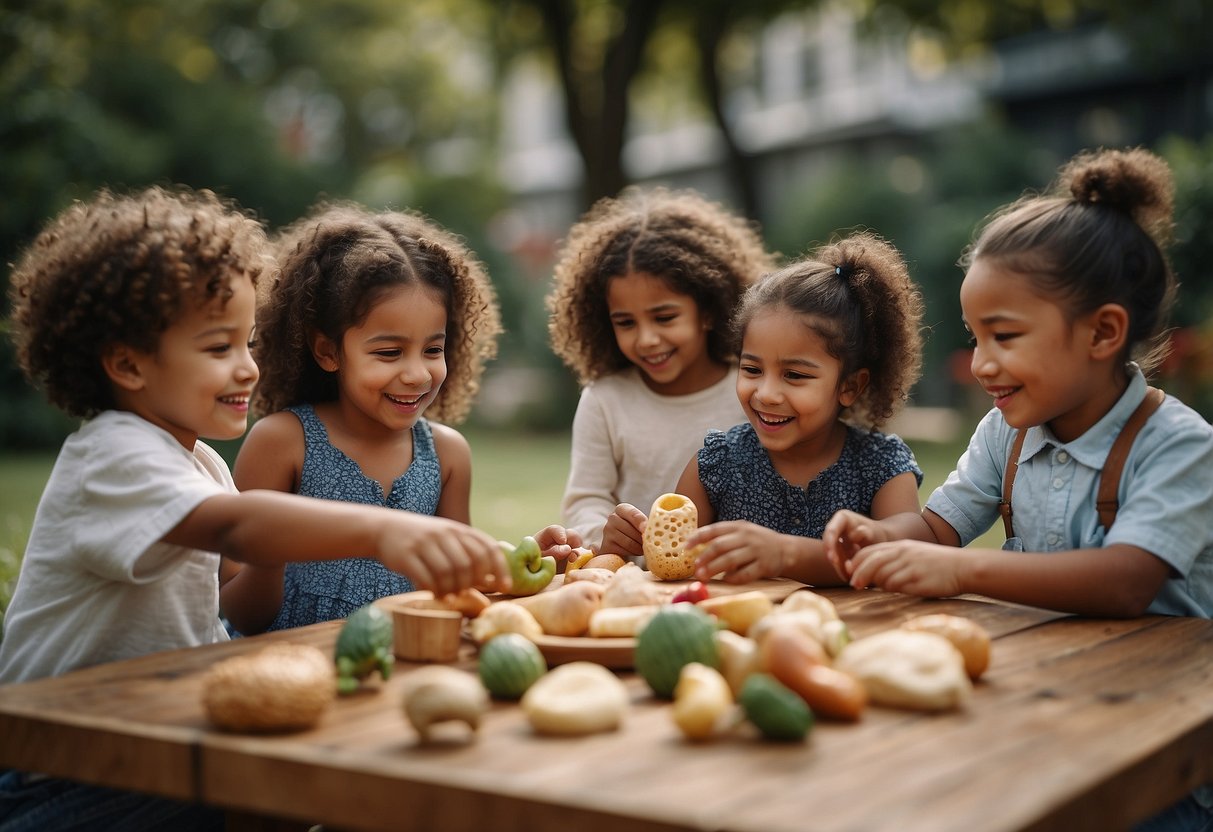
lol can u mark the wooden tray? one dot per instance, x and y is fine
(618, 653)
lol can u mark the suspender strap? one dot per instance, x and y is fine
(1106, 501)
(1008, 483)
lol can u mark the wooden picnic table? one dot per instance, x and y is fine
(1078, 724)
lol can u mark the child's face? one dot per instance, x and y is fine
(1027, 354)
(790, 386)
(661, 332)
(392, 365)
(200, 379)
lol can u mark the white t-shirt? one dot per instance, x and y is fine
(630, 445)
(97, 584)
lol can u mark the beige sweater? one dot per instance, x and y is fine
(630, 445)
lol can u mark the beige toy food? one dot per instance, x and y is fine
(739, 658)
(440, 693)
(565, 611)
(505, 617)
(470, 602)
(966, 635)
(833, 634)
(621, 622)
(611, 562)
(591, 574)
(632, 587)
(739, 612)
(671, 520)
(703, 701)
(283, 687)
(907, 669)
(575, 699)
(806, 599)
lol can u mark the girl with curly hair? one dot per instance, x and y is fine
(373, 320)
(134, 313)
(1105, 485)
(644, 289)
(830, 348)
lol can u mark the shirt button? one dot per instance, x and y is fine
(796, 521)
(1054, 539)
(1063, 457)
(1058, 482)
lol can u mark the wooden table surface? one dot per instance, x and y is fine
(1078, 724)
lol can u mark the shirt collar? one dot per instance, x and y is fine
(1091, 449)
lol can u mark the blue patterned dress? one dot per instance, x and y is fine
(326, 590)
(743, 485)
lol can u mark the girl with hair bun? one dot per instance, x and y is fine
(1104, 484)
(830, 348)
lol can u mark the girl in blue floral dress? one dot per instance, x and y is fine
(374, 320)
(830, 347)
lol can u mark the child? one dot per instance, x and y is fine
(830, 338)
(644, 289)
(1061, 291)
(374, 320)
(135, 313)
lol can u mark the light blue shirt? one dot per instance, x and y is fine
(1165, 494)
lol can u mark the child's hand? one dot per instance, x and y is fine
(442, 555)
(742, 550)
(909, 566)
(557, 541)
(623, 533)
(847, 533)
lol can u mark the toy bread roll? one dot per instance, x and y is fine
(283, 687)
(671, 520)
(966, 635)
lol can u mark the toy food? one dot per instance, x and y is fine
(578, 558)
(832, 635)
(777, 712)
(677, 635)
(739, 612)
(693, 593)
(611, 562)
(621, 622)
(796, 660)
(505, 617)
(908, 669)
(440, 693)
(632, 587)
(364, 645)
(470, 602)
(702, 701)
(576, 698)
(671, 520)
(565, 611)
(509, 664)
(592, 574)
(806, 599)
(738, 658)
(283, 687)
(966, 635)
(530, 571)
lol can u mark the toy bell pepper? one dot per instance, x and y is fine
(529, 569)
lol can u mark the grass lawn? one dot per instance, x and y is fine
(517, 484)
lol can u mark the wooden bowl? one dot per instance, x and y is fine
(424, 630)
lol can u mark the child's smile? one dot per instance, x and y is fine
(661, 332)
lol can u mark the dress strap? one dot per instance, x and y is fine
(1106, 501)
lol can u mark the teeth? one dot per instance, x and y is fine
(767, 420)
(398, 400)
(657, 359)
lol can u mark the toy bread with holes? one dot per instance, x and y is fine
(671, 521)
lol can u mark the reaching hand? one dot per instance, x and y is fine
(623, 533)
(742, 550)
(910, 566)
(442, 555)
(847, 533)
(557, 541)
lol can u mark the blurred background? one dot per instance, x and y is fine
(505, 120)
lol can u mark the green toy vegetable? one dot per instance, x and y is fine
(529, 569)
(364, 645)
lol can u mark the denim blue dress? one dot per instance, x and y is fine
(742, 484)
(327, 590)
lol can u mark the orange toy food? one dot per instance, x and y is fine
(671, 520)
(795, 659)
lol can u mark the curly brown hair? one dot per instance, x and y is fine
(696, 246)
(1095, 237)
(335, 263)
(120, 269)
(856, 293)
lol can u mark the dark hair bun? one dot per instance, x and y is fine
(1135, 182)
